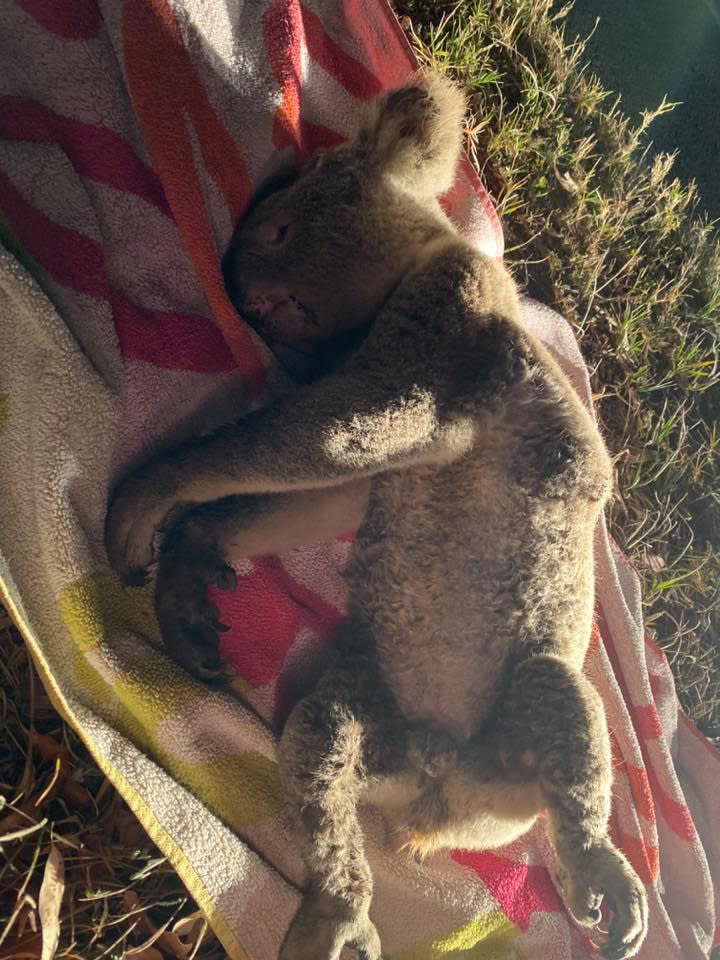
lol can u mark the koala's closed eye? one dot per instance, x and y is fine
(274, 234)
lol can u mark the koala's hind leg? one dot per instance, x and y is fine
(197, 551)
(552, 721)
(329, 748)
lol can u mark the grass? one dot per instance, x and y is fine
(597, 228)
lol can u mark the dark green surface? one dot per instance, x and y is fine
(647, 49)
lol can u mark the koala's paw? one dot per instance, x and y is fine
(602, 874)
(189, 621)
(137, 511)
(315, 935)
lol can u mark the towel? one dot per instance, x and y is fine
(132, 135)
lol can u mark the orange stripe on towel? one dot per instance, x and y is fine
(282, 32)
(167, 93)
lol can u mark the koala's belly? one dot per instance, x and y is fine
(447, 685)
(433, 593)
(460, 812)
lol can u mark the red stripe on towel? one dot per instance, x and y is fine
(639, 782)
(266, 613)
(70, 19)
(95, 152)
(675, 814)
(170, 341)
(350, 73)
(644, 857)
(282, 32)
(520, 889)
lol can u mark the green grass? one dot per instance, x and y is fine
(596, 229)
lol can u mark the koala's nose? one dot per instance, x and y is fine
(260, 302)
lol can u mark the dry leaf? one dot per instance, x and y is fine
(27, 915)
(653, 561)
(12, 822)
(169, 943)
(27, 949)
(173, 945)
(48, 747)
(50, 900)
(147, 953)
(77, 795)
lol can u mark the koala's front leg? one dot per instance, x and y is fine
(552, 724)
(324, 754)
(368, 419)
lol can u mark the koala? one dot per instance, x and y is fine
(448, 437)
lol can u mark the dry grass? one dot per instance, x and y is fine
(119, 897)
(593, 229)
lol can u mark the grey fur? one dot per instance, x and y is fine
(458, 702)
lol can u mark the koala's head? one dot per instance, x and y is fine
(318, 257)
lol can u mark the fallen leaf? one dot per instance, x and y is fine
(27, 915)
(52, 889)
(48, 747)
(27, 949)
(653, 561)
(77, 795)
(12, 822)
(187, 928)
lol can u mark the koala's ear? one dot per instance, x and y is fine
(414, 133)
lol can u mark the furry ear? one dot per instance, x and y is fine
(414, 133)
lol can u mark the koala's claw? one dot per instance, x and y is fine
(602, 875)
(189, 621)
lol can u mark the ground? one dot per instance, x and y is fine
(611, 240)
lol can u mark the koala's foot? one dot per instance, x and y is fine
(189, 621)
(319, 931)
(553, 725)
(601, 873)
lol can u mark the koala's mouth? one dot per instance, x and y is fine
(281, 317)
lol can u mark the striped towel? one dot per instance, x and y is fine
(131, 136)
